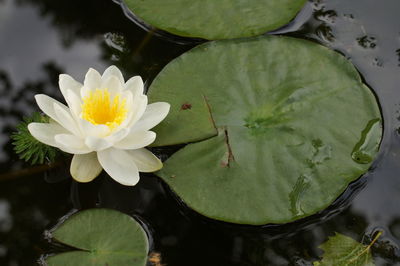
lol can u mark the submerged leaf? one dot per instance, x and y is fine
(27, 147)
(103, 237)
(342, 250)
(269, 118)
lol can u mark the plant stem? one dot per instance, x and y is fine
(29, 171)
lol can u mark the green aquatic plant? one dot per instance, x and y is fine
(29, 148)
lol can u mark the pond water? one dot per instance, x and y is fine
(41, 38)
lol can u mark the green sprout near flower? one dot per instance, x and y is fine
(27, 147)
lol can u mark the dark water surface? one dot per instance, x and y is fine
(41, 38)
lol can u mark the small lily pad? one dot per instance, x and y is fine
(103, 237)
(279, 127)
(216, 19)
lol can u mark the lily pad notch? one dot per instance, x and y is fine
(271, 138)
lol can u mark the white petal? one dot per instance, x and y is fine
(89, 129)
(127, 95)
(135, 85)
(113, 71)
(85, 167)
(92, 82)
(119, 165)
(45, 132)
(97, 144)
(65, 119)
(154, 114)
(113, 85)
(117, 135)
(136, 140)
(74, 103)
(145, 160)
(46, 104)
(71, 144)
(139, 107)
(66, 82)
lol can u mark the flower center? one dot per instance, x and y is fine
(99, 108)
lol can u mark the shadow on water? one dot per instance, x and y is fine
(41, 38)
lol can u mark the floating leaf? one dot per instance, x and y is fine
(104, 237)
(275, 121)
(27, 147)
(216, 19)
(341, 250)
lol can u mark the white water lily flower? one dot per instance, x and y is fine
(106, 126)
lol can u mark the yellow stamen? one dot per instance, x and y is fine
(99, 109)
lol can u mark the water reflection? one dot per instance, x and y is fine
(27, 206)
(65, 39)
(5, 216)
(41, 38)
(38, 41)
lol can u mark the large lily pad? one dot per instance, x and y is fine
(288, 125)
(216, 19)
(104, 237)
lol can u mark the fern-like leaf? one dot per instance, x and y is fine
(27, 147)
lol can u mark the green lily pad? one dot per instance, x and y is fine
(216, 19)
(288, 125)
(103, 237)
